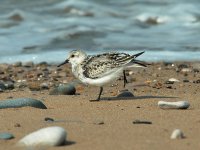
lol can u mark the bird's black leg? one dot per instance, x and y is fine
(125, 80)
(101, 90)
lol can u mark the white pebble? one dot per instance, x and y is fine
(186, 70)
(177, 134)
(173, 80)
(50, 136)
(173, 105)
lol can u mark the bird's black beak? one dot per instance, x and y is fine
(65, 62)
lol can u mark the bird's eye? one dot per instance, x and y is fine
(72, 56)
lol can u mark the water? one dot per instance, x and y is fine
(46, 30)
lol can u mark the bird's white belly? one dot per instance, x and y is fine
(103, 80)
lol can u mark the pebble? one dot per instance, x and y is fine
(21, 102)
(177, 134)
(125, 93)
(9, 85)
(63, 89)
(186, 80)
(186, 70)
(169, 82)
(17, 125)
(196, 70)
(173, 105)
(50, 136)
(181, 66)
(49, 119)
(157, 85)
(169, 87)
(1, 71)
(6, 136)
(197, 81)
(44, 86)
(29, 64)
(173, 80)
(17, 64)
(33, 86)
(141, 122)
(2, 86)
(98, 122)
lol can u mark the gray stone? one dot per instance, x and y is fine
(6, 136)
(28, 64)
(9, 85)
(21, 102)
(63, 89)
(125, 93)
(2, 86)
(174, 105)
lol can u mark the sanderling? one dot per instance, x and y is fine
(101, 69)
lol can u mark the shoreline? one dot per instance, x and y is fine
(80, 117)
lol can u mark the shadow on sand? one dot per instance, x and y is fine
(131, 98)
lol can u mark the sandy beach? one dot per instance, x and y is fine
(108, 123)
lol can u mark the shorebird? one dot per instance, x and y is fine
(100, 69)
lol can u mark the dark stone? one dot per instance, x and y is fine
(49, 119)
(141, 122)
(9, 85)
(125, 93)
(21, 102)
(185, 80)
(169, 87)
(2, 86)
(167, 63)
(6, 136)
(196, 70)
(64, 89)
(98, 122)
(17, 125)
(197, 81)
(181, 66)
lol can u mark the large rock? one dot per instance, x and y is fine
(50, 136)
(21, 102)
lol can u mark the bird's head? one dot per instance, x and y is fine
(74, 57)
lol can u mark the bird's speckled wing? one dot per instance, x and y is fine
(103, 64)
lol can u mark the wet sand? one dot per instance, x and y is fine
(106, 124)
